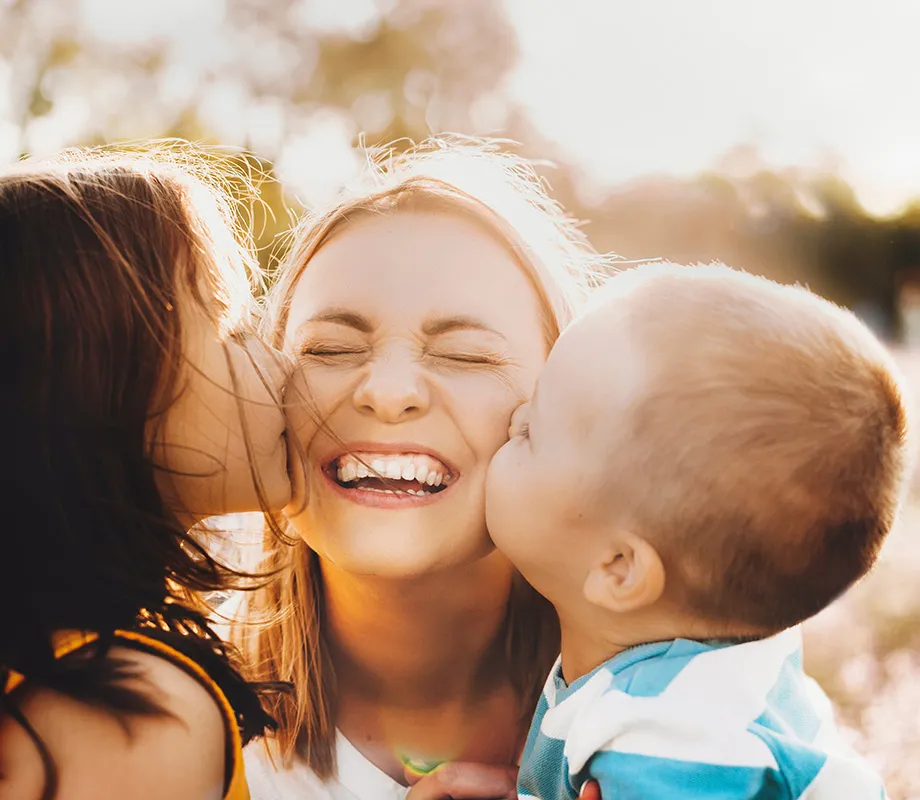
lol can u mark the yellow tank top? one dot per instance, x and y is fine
(68, 642)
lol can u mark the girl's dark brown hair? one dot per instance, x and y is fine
(95, 252)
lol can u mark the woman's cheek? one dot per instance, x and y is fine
(487, 404)
(492, 420)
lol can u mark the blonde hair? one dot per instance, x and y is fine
(502, 192)
(766, 448)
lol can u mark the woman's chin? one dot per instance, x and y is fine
(402, 558)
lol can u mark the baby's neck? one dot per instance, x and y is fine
(587, 643)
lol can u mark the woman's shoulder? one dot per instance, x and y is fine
(98, 754)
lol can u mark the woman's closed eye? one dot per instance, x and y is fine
(323, 351)
(473, 358)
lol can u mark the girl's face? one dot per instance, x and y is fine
(225, 430)
(416, 335)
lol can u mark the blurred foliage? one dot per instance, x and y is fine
(793, 228)
(409, 67)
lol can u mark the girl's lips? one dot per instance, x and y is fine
(377, 499)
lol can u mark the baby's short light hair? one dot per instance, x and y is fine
(765, 452)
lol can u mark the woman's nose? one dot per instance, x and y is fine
(393, 391)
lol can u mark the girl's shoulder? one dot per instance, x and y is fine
(98, 754)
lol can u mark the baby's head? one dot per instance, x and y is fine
(705, 445)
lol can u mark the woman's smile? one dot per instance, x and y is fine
(389, 475)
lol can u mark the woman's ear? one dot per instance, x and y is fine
(628, 577)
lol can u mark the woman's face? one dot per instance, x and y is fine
(229, 392)
(416, 335)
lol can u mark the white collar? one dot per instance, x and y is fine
(362, 778)
(358, 778)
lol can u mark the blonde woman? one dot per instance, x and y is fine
(419, 309)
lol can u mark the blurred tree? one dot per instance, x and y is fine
(262, 75)
(857, 257)
(790, 226)
(248, 72)
(423, 67)
(299, 82)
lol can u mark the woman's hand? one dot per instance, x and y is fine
(460, 780)
(464, 781)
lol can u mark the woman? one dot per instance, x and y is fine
(419, 310)
(135, 409)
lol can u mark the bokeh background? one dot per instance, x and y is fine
(780, 137)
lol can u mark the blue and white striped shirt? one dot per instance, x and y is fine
(685, 719)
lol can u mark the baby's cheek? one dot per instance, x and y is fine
(513, 485)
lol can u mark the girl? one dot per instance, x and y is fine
(135, 407)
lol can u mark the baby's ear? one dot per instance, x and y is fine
(628, 576)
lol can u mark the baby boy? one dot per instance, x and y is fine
(709, 459)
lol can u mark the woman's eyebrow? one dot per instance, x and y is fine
(342, 316)
(439, 325)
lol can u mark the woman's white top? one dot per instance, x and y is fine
(358, 778)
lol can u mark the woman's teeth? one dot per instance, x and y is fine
(424, 471)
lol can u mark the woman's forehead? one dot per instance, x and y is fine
(415, 267)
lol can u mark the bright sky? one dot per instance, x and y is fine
(667, 86)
